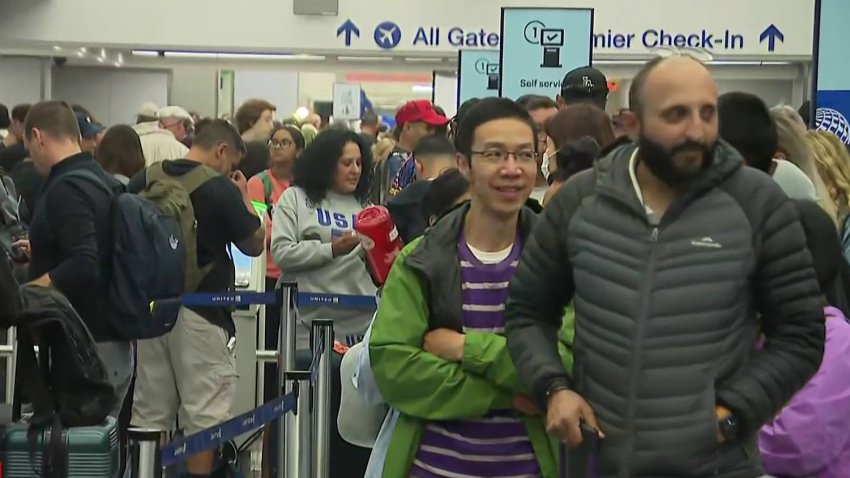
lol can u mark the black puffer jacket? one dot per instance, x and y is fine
(667, 317)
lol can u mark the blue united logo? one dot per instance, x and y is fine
(828, 119)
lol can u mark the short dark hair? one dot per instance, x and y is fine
(201, 124)
(5, 121)
(55, 118)
(443, 193)
(369, 118)
(444, 129)
(19, 112)
(574, 157)
(462, 111)
(536, 102)
(295, 133)
(315, 169)
(746, 124)
(488, 109)
(216, 132)
(436, 144)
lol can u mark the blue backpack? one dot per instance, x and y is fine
(154, 257)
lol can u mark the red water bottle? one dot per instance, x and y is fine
(379, 238)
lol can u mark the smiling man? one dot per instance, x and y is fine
(437, 347)
(670, 251)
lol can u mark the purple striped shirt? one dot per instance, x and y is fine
(496, 445)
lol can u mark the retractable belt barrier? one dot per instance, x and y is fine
(303, 299)
(307, 397)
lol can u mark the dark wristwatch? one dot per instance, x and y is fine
(554, 387)
(729, 427)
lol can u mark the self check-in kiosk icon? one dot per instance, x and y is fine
(550, 39)
(491, 70)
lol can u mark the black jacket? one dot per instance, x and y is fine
(435, 261)
(406, 211)
(70, 239)
(667, 317)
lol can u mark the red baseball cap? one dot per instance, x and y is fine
(419, 110)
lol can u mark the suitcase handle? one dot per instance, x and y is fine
(591, 441)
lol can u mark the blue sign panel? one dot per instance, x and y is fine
(387, 35)
(540, 45)
(477, 74)
(832, 69)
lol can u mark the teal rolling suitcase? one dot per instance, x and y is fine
(92, 451)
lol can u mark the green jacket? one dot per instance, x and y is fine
(422, 293)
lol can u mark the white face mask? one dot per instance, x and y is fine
(544, 166)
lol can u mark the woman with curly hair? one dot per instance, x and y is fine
(313, 239)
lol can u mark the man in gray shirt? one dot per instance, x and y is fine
(745, 123)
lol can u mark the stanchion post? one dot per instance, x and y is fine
(287, 294)
(286, 334)
(323, 332)
(143, 446)
(297, 452)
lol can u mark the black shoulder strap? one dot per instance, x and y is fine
(83, 174)
(37, 370)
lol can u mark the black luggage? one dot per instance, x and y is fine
(69, 430)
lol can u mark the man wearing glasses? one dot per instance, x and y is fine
(437, 348)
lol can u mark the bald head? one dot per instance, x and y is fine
(676, 65)
(675, 100)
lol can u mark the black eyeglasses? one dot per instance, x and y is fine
(499, 155)
(284, 143)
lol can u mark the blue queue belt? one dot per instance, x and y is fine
(304, 299)
(182, 448)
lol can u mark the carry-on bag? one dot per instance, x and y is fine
(92, 451)
(69, 433)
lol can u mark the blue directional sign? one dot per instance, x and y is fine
(348, 29)
(478, 74)
(771, 34)
(831, 69)
(387, 35)
(540, 45)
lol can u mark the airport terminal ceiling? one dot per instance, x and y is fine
(772, 42)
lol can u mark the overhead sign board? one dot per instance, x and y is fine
(540, 45)
(478, 74)
(832, 95)
(766, 28)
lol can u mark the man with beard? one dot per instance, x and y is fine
(677, 258)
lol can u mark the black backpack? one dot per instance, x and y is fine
(10, 296)
(11, 227)
(67, 383)
(154, 251)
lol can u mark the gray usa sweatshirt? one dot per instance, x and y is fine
(301, 246)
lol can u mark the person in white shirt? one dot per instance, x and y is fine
(161, 136)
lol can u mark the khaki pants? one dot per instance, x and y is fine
(188, 372)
